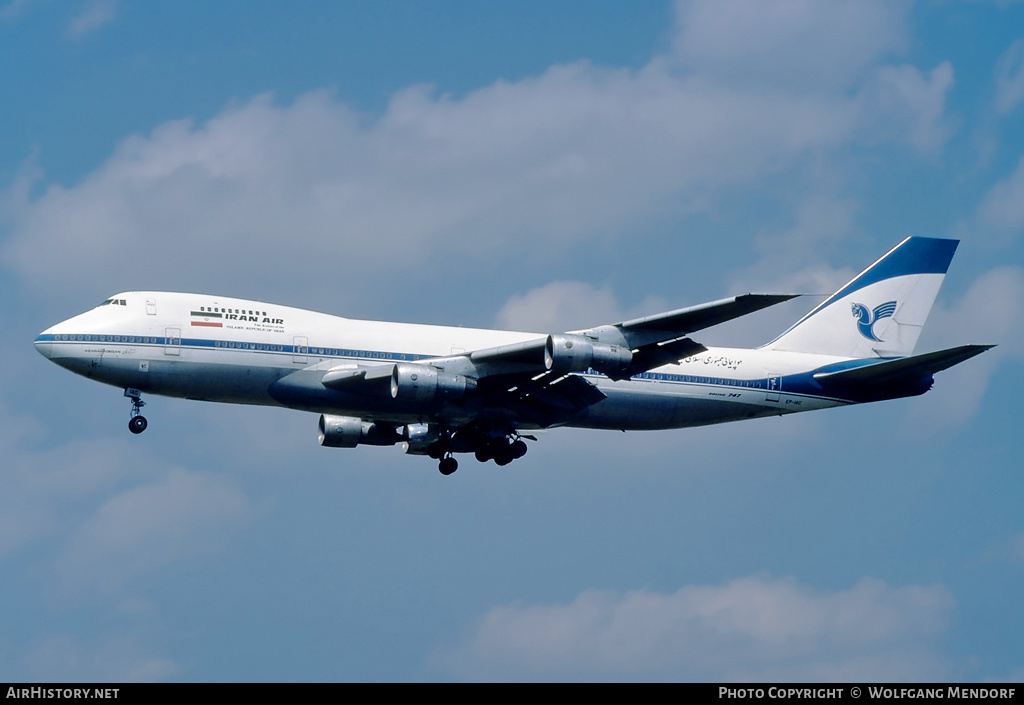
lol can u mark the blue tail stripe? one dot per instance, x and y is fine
(915, 255)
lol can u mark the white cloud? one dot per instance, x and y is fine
(750, 629)
(1017, 548)
(1010, 78)
(322, 196)
(115, 523)
(911, 104)
(560, 306)
(571, 305)
(795, 43)
(988, 313)
(182, 515)
(15, 9)
(40, 489)
(791, 259)
(95, 14)
(107, 659)
(1003, 205)
(513, 167)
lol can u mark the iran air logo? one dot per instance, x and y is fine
(866, 320)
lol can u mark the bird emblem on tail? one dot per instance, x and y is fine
(866, 320)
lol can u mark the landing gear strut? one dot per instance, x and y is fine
(137, 423)
(441, 450)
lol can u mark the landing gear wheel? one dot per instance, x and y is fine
(448, 465)
(483, 455)
(518, 449)
(137, 422)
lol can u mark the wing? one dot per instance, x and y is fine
(661, 339)
(619, 351)
(533, 379)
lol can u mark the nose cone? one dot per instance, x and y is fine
(44, 345)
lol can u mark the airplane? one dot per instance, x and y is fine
(441, 390)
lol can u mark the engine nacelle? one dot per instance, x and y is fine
(419, 437)
(423, 383)
(576, 353)
(349, 431)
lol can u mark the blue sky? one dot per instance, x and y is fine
(531, 165)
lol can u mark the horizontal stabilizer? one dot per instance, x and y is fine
(914, 367)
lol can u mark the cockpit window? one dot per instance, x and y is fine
(114, 302)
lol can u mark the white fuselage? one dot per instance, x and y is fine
(239, 351)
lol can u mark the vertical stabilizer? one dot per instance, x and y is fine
(881, 312)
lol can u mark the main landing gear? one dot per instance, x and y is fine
(441, 450)
(502, 453)
(485, 444)
(448, 465)
(137, 423)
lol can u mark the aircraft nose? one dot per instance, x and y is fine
(44, 346)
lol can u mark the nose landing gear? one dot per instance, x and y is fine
(137, 423)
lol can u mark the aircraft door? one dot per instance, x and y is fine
(172, 341)
(774, 387)
(150, 307)
(300, 350)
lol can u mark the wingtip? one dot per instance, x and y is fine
(763, 295)
(770, 298)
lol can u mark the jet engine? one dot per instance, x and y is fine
(576, 353)
(410, 382)
(349, 431)
(419, 437)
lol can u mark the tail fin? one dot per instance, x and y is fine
(881, 312)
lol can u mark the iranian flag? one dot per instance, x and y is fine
(206, 319)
